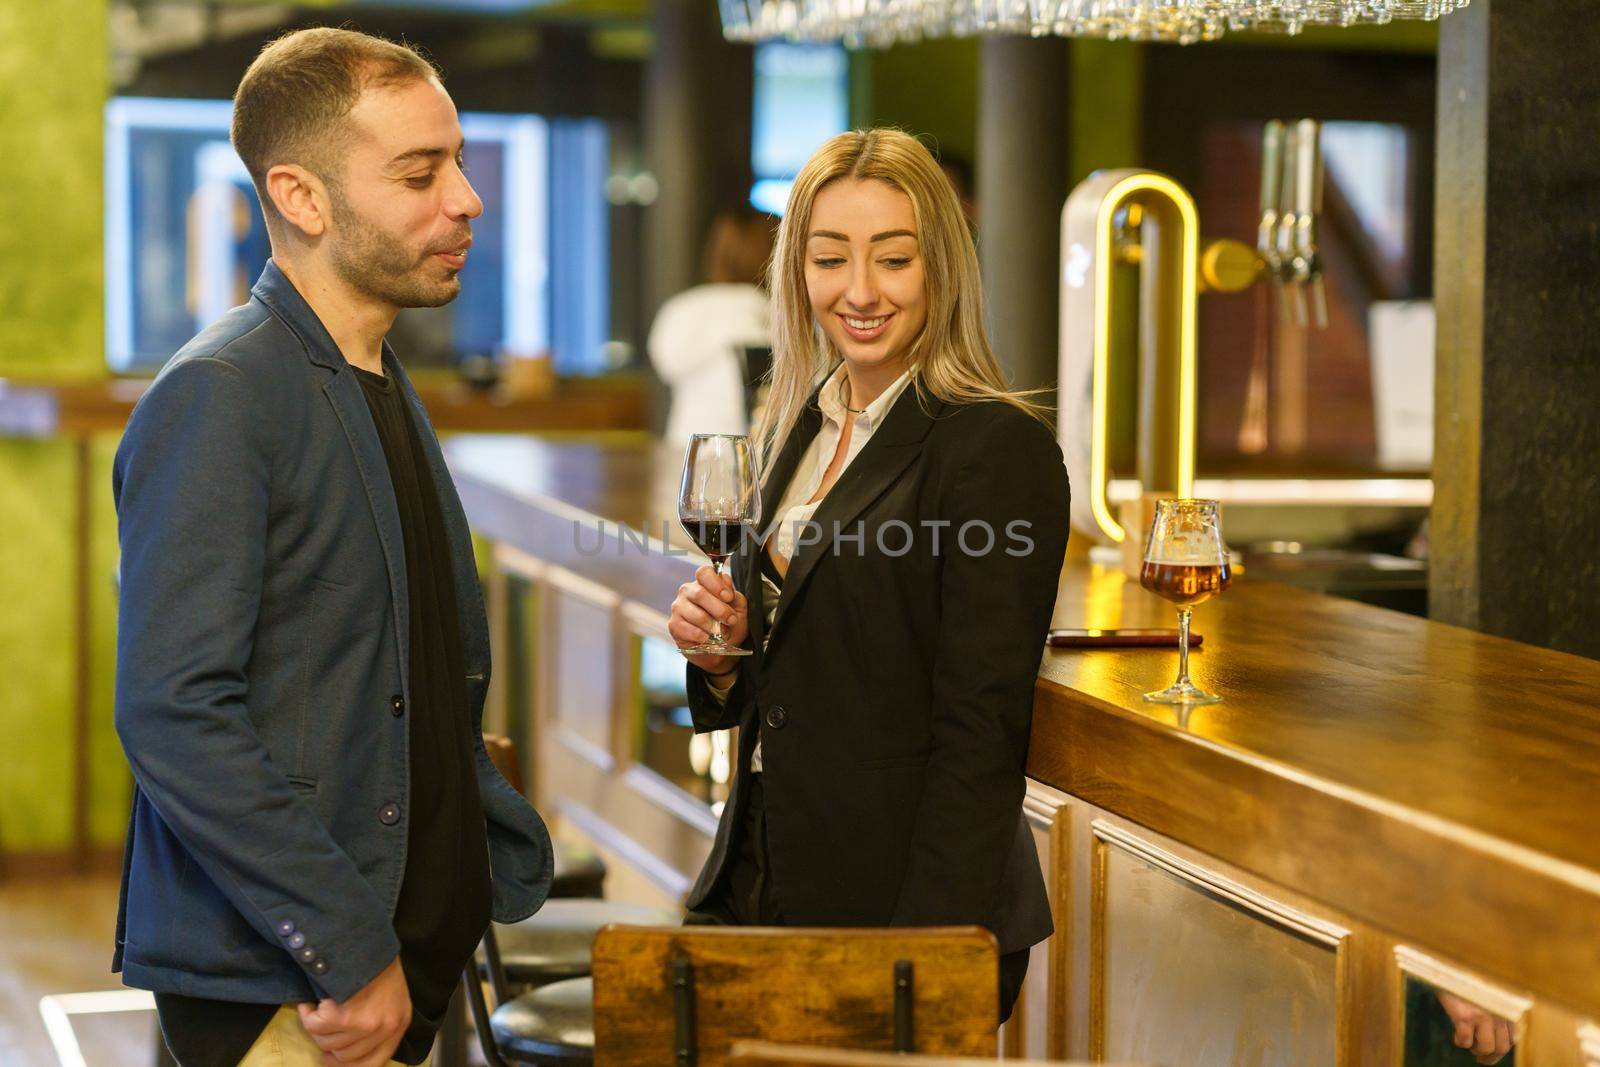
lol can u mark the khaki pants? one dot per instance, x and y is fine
(285, 1043)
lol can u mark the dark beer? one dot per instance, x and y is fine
(1185, 584)
(717, 538)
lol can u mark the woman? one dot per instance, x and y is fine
(699, 339)
(916, 515)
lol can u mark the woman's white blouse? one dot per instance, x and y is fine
(796, 506)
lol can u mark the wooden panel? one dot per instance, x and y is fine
(829, 987)
(1063, 889)
(1190, 967)
(694, 769)
(767, 1054)
(604, 511)
(60, 409)
(580, 621)
(1028, 1032)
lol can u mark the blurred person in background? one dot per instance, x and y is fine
(698, 343)
(885, 707)
(318, 838)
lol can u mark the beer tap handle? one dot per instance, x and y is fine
(1283, 235)
(1288, 222)
(1272, 136)
(1308, 209)
(1307, 184)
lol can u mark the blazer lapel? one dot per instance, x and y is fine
(881, 460)
(748, 571)
(344, 392)
(275, 290)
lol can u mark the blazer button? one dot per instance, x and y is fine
(776, 717)
(319, 967)
(389, 814)
(285, 927)
(306, 954)
(297, 940)
(397, 705)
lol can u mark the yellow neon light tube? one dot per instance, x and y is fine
(1100, 443)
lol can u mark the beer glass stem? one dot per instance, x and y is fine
(1183, 649)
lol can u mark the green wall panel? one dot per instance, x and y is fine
(37, 512)
(930, 89)
(53, 85)
(1106, 103)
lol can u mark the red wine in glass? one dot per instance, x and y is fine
(718, 538)
(717, 502)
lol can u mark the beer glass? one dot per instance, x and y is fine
(718, 502)
(1185, 561)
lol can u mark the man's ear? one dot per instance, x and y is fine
(300, 197)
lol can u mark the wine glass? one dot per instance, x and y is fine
(718, 502)
(1185, 561)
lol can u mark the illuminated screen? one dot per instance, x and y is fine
(185, 238)
(802, 98)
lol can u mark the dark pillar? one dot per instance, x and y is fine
(1516, 514)
(697, 113)
(1023, 158)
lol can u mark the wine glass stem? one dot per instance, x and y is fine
(1183, 649)
(716, 627)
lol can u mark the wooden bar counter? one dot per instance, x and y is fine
(1385, 816)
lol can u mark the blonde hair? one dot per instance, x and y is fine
(950, 359)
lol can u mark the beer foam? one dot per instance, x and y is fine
(1189, 550)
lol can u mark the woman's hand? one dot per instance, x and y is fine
(709, 597)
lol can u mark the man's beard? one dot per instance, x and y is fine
(376, 263)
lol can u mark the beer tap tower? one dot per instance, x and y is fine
(1148, 220)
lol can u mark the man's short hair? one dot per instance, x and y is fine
(291, 103)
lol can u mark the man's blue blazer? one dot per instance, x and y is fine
(261, 663)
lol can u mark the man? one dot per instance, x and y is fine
(302, 650)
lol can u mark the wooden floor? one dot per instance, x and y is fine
(56, 937)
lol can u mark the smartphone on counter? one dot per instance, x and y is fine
(1118, 639)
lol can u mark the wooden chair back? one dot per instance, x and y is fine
(662, 990)
(767, 1054)
(503, 754)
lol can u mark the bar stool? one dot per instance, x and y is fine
(549, 1026)
(556, 942)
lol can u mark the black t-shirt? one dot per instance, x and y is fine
(444, 895)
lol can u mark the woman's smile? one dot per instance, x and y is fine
(866, 329)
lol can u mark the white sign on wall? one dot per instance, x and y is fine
(1402, 333)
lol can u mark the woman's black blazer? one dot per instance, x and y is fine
(894, 696)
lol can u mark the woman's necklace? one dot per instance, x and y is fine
(847, 407)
